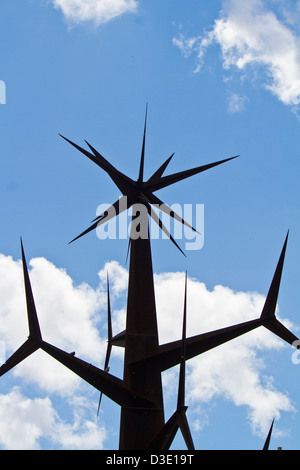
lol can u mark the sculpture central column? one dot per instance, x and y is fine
(140, 425)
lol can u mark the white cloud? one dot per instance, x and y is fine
(252, 36)
(23, 421)
(97, 11)
(118, 277)
(186, 45)
(81, 433)
(70, 316)
(236, 103)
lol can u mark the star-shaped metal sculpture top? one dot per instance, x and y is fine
(140, 191)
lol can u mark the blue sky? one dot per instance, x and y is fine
(220, 80)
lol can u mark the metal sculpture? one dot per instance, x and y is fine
(139, 392)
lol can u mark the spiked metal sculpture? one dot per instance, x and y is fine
(140, 191)
(139, 392)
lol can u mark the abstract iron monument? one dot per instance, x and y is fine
(139, 393)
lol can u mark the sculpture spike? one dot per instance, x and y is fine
(92, 227)
(163, 228)
(267, 442)
(141, 172)
(268, 317)
(168, 355)
(109, 340)
(122, 181)
(176, 177)
(33, 323)
(157, 175)
(271, 300)
(34, 340)
(115, 209)
(167, 210)
(181, 386)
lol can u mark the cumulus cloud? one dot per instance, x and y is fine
(73, 317)
(236, 103)
(24, 421)
(252, 37)
(97, 11)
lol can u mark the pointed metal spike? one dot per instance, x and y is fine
(82, 150)
(109, 338)
(109, 332)
(174, 178)
(121, 205)
(102, 160)
(268, 317)
(34, 340)
(271, 300)
(163, 228)
(33, 323)
(181, 386)
(115, 209)
(280, 330)
(141, 172)
(27, 348)
(156, 219)
(164, 438)
(267, 442)
(157, 175)
(185, 429)
(181, 408)
(98, 218)
(99, 404)
(153, 199)
(122, 181)
(98, 159)
(110, 385)
(92, 227)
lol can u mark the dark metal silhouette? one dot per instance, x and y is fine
(164, 438)
(109, 340)
(139, 393)
(267, 442)
(139, 191)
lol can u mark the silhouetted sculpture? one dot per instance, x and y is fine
(139, 393)
(140, 192)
